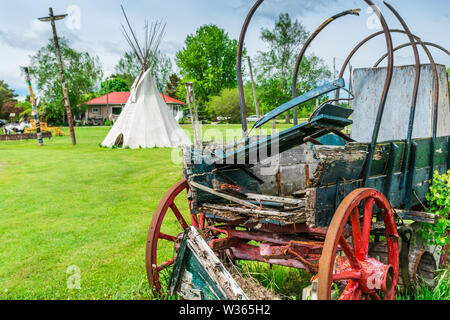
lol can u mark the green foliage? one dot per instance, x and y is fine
(6, 94)
(209, 60)
(285, 41)
(227, 104)
(129, 67)
(439, 204)
(275, 66)
(27, 108)
(423, 292)
(82, 73)
(114, 85)
(172, 85)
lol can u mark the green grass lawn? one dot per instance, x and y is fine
(89, 207)
(84, 206)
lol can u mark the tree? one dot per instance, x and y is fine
(275, 67)
(172, 85)
(115, 84)
(6, 94)
(227, 104)
(11, 106)
(209, 61)
(82, 71)
(26, 109)
(129, 67)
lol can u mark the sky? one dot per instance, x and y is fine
(94, 26)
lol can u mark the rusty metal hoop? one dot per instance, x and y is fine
(358, 264)
(241, 47)
(155, 234)
(428, 44)
(307, 44)
(436, 84)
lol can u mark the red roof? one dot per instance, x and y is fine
(122, 98)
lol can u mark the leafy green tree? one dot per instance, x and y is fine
(6, 94)
(208, 59)
(275, 66)
(115, 84)
(82, 71)
(129, 67)
(227, 104)
(26, 107)
(172, 85)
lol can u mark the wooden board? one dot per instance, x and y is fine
(199, 275)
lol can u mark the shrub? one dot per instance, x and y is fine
(439, 204)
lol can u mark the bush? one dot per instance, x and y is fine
(439, 204)
(106, 123)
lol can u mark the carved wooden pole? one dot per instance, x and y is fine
(52, 19)
(35, 111)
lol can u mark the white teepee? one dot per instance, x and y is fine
(146, 121)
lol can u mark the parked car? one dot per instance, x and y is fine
(252, 118)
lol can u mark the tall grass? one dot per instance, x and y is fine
(424, 292)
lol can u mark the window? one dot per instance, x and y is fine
(116, 111)
(94, 110)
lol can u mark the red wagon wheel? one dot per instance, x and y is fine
(156, 260)
(364, 277)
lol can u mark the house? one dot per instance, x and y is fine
(109, 107)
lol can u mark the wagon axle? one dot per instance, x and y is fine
(371, 277)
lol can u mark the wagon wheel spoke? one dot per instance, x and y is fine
(367, 223)
(357, 237)
(351, 292)
(351, 275)
(357, 268)
(167, 237)
(165, 265)
(180, 218)
(348, 250)
(161, 221)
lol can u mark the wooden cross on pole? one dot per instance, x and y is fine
(52, 18)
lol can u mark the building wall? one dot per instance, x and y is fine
(103, 111)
